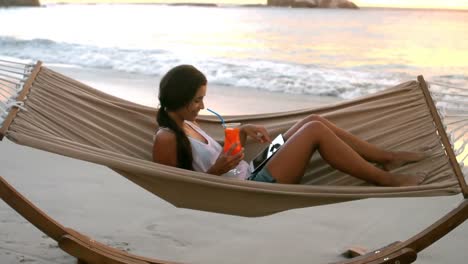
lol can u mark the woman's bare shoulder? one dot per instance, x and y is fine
(164, 136)
(165, 147)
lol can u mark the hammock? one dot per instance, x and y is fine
(52, 112)
(63, 116)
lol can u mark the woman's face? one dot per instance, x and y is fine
(190, 111)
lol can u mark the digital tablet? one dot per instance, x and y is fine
(260, 160)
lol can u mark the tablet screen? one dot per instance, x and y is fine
(265, 155)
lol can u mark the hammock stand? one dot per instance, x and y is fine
(87, 250)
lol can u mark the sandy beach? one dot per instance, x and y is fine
(100, 203)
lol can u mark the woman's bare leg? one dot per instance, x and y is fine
(368, 151)
(289, 163)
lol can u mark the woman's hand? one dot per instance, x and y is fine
(258, 133)
(226, 161)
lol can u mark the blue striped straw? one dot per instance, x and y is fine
(219, 116)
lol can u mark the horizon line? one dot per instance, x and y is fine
(234, 4)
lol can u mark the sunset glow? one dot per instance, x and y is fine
(442, 4)
(439, 4)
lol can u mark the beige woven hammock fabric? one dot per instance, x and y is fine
(67, 117)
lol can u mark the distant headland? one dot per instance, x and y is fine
(281, 3)
(20, 3)
(286, 3)
(193, 4)
(313, 3)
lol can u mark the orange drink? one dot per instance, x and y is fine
(231, 136)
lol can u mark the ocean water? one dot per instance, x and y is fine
(333, 52)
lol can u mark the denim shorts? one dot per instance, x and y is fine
(262, 176)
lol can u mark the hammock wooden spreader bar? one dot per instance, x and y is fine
(444, 138)
(90, 251)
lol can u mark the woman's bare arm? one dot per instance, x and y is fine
(257, 133)
(165, 152)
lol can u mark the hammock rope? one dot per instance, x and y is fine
(453, 110)
(11, 84)
(447, 85)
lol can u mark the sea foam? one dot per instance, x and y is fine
(273, 76)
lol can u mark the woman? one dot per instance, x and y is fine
(181, 143)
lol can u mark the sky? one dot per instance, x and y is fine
(442, 4)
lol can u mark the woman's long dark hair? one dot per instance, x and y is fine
(176, 90)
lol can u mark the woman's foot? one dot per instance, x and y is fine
(400, 180)
(400, 158)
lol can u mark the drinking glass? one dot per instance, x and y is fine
(231, 136)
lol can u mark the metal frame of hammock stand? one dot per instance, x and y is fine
(87, 250)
